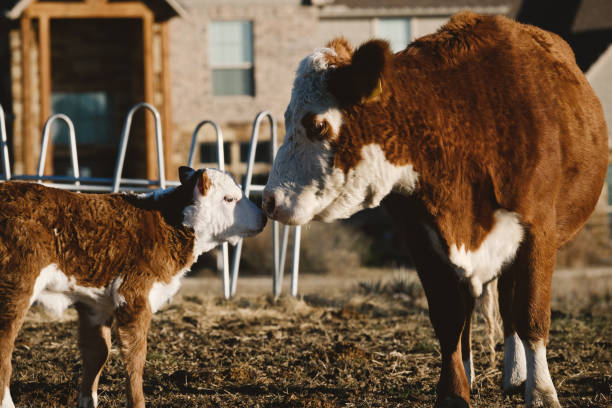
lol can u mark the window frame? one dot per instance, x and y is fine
(243, 66)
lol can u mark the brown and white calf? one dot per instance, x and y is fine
(485, 142)
(114, 256)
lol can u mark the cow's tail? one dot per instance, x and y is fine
(488, 307)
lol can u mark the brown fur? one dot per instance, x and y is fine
(93, 239)
(492, 114)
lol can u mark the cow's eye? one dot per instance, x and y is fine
(315, 129)
(229, 199)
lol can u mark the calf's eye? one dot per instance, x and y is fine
(229, 199)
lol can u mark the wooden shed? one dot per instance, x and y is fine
(91, 59)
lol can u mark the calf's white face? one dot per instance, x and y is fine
(220, 211)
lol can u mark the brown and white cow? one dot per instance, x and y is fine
(485, 142)
(114, 256)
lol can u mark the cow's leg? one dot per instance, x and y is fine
(466, 342)
(95, 345)
(531, 312)
(515, 367)
(447, 312)
(133, 322)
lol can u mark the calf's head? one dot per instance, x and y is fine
(220, 211)
(332, 162)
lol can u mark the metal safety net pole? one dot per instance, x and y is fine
(125, 135)
(221, 165)
(45, 145)
(6, 166)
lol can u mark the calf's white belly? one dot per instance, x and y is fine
(56, 291)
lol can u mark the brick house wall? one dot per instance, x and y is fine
(282, 36)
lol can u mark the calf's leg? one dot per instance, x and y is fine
(133, 320)
(15, 297)
(95, 345)
(531, 312)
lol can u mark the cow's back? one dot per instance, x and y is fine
(511, 105)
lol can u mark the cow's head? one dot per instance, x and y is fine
(330, 164)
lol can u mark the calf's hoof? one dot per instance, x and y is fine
(452, 402)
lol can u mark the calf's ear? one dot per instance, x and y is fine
(361, 81)
(185, 173)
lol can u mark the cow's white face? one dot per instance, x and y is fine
(306, 182)
(302, 180)
(220, 211)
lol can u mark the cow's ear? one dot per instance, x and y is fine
(361, 81)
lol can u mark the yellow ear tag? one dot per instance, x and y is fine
(375, 93)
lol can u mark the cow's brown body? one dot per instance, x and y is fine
(493, 116)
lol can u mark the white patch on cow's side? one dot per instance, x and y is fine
(468, 366)
(56, 291)
(7, 401)
(216, 220)
(498, 248)
(162, 293)
(87, 401)
(515, 365)
(334, 117)
(539, 388)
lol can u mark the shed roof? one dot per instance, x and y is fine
(14, 8)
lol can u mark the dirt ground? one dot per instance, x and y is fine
(356, 340)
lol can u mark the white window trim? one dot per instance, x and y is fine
(244, 65)
(412, 20)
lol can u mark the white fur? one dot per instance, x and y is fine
(499, 247)
(7, 401)
(539, 388)
(515, 365)
(468, 366)
(214, 220)
(56, 291)
(162, 293)
(316, 191)
(87, 401)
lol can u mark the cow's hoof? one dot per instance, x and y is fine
(512, 389)
(452, 402)
(543, 400)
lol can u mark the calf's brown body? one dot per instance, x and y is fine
(94, 240)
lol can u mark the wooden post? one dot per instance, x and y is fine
(44, 68)
(167, 106)
(28, 142)
(147, 45)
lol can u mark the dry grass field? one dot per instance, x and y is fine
(359, 339)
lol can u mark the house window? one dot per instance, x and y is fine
(91, 114)
(395, 30)
(231, 58)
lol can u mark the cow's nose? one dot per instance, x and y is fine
(269, 203)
